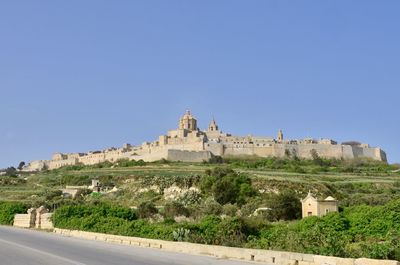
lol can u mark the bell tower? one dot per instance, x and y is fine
(213, 126)
(280, 136)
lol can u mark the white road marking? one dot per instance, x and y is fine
(42, 252)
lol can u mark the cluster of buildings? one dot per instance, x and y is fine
(191, 144)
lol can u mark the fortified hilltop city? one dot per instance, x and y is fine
(190, 144)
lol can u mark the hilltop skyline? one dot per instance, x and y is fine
(77, 79)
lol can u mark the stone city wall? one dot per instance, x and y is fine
(150, 157)
(304, 151)
(258, 255)
(189, 156)
(53, 164)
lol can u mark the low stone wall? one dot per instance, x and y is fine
(23, 220)
(259, 255)
(35, 218)
(46, 222)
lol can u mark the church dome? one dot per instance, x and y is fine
(188, 122)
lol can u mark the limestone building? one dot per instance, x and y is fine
(189, 143)
(311, 206)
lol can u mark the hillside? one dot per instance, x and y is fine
(352, 182)
(214, 203)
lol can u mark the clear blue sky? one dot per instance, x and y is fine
(85, 75)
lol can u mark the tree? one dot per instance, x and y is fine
(285, 206)
(287, 153)
(11, 172)
(316, 158)
(21, 165)
(227, 186)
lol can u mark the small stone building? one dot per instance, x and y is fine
(311, 206)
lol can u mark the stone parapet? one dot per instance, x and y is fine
(25, 220)
(46, 222)
(38, 218)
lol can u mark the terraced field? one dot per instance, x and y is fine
(364, 187)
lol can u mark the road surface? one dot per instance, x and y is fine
(28, 247)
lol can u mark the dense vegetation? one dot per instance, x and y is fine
(312, 166)
(9, 209)
(215, 203)
(362, 231)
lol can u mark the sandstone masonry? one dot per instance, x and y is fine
(189, 143)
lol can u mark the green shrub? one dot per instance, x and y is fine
(75, 180)
(227, 186)
(173, 209)
(9, 209)
(230, 209)
(146, 209)
(285, 206)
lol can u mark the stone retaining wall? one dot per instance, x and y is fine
(259, 255)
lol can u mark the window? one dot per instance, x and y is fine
(327, 211)
(309, 213)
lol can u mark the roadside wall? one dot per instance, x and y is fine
(23, 220)
(46, 222)
(35, 218)
(267, 256)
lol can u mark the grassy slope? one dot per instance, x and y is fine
(350, 188)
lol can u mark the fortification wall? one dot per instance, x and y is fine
(114, 156)
(260, 255)
(195, 146)
(216, 149)
(304, 151)
(153, 156)
(239, 150)
(53, 164)
(194, 152)
(36, 165)
(92, 159)
(279, 150)
(189, 156)
(371, 152)
(323, 150)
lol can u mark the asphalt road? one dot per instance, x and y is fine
(28, 247)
